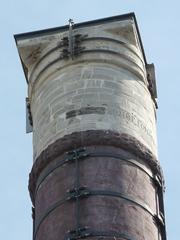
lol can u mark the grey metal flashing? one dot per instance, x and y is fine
(140, 40)
(50, 31)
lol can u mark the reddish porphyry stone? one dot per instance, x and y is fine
(106, 171)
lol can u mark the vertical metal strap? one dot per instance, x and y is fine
(159, 218)
(157, 210)
(77, 189)
(71, 38)
(161, 213)
(76, 155)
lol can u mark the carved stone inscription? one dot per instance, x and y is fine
(132, 118)
(129, 117)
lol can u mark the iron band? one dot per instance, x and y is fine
(83, 154)
(83, 192)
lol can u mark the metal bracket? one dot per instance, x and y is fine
(152, 82)
(33, 213)
(76, 155)
(64, 41)
(158, 220)
(78, 38)
(29, 121)
(78, 234)
(157, 181)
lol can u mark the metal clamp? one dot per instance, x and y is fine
(76, 155)
(157, 180)
(72, 43)
(158, 220)
(78, 38)
(78, 193)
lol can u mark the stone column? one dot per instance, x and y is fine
(92, 106)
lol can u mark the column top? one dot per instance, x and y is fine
(35, 37)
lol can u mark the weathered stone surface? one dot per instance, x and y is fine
(111, 71)
(133, 111)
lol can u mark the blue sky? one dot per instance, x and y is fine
(159, 27)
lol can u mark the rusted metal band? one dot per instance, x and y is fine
(85, 154)
(83, 192)
(91, 138)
